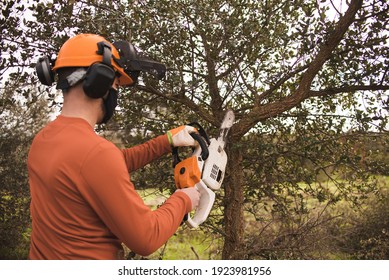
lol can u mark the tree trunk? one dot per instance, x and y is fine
(233, 204)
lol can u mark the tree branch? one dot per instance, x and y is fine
(280, 82)
(303, 91)
(326, 50)
(216, 100)
(183, 100)
(334, 91)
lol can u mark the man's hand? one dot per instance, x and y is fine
(193, 194)
(180, 136)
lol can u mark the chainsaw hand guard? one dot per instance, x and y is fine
(202, 138)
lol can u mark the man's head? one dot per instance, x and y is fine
(93, 61)
(94, 53)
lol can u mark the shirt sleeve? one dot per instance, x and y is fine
(111, 194)
(141, 155)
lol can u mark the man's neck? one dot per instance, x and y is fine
(76, 104)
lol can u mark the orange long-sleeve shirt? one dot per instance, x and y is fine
(83, 203)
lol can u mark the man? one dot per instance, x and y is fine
(83, 203)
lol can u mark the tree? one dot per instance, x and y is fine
(288, 69)
(252, 57)
(21, 119)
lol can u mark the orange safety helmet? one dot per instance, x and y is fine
(81, 51)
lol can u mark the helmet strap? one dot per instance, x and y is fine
(75, 77)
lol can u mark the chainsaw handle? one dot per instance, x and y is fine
(203, 145)
(201, 131)
(203, 209)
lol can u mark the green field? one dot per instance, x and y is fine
(321, 226)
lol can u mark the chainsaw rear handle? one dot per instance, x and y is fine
(187, 173)
(204, 207)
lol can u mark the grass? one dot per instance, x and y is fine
(189, 244)
(196, 244)
(186, 243)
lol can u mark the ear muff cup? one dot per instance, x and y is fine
(98, 80)
(44, 71)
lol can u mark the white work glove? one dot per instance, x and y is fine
(180, 136)
(193, 194)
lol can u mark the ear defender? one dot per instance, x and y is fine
(100, 76)
(44, 71)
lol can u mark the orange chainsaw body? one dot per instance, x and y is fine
(187, 173)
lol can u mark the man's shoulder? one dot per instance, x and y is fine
(73, 136)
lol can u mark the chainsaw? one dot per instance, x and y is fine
(204, 169)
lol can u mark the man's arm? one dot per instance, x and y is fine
(138, 156)
(111, 194)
